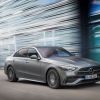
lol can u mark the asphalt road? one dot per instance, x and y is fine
(26, 90)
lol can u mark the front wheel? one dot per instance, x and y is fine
(11, 75)
(53, 79)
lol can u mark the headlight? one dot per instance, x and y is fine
(69, 68)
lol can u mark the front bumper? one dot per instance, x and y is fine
(79, 79)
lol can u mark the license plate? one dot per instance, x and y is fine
(91, 76)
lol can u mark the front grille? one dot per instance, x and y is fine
(89, 70)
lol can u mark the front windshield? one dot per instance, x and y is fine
(47, 52)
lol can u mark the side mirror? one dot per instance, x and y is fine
(35, 57)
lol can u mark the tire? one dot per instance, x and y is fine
(53, 79)
(11, 75)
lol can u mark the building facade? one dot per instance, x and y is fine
(38, 22)
(94, 34)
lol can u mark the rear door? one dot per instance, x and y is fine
(20, 60)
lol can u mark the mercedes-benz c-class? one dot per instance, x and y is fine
(52, 65)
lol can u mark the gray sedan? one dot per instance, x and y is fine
(52, 65)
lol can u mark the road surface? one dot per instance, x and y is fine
(26, 90)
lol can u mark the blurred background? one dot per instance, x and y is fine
(72, 24)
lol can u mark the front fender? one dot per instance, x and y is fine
(61, 73)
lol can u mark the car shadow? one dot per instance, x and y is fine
(88, 85)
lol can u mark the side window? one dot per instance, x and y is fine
(21, 53)
(16, 54)
(31, 52)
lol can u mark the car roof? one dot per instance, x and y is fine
(46, 46)
(39, 47)
(42, 47)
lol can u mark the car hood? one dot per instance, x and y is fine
(73, 60)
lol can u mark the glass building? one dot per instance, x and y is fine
(94, 37)
(38, 22)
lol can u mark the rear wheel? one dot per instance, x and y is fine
(53, 79)
(11, 75)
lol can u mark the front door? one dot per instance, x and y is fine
(33, 65)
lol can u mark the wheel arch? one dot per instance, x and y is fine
(50, 69)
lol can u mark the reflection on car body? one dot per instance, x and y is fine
(52, 65)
